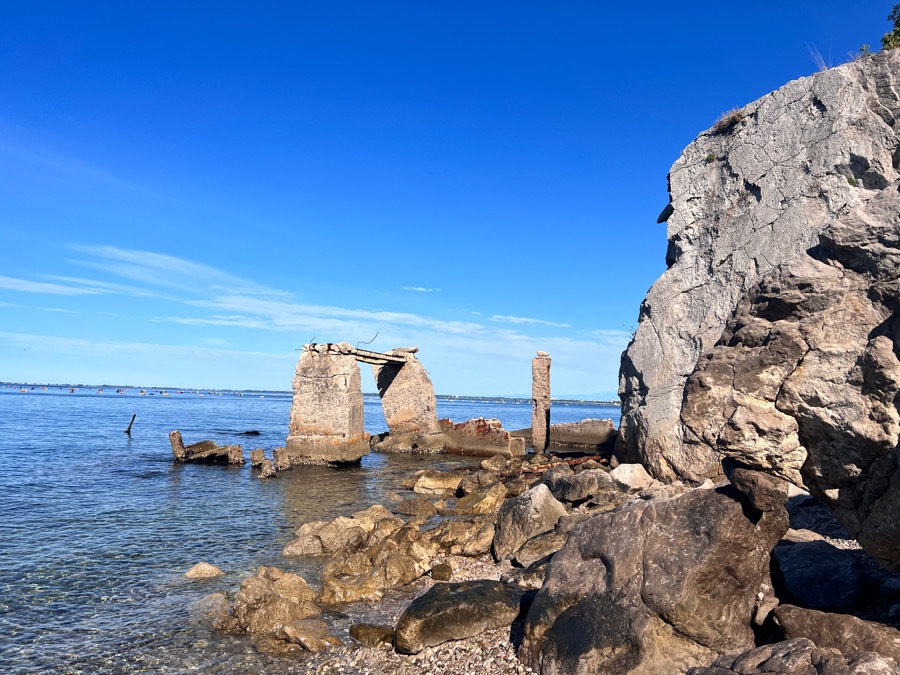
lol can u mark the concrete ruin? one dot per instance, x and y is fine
(409, 404)
(326, 424)
(327, 410)
(540, 401)
(481, 438)
(204, 452)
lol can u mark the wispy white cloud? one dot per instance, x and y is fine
(419, 289)
(502, 318)
(60, 310)
(13, 284)
(105, 286)
(161, 270)
(8, 304)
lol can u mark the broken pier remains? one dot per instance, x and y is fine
(327, 411)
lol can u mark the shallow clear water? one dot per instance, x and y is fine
(97, 528)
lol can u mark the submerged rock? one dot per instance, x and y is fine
(203, 570)
(204, 452)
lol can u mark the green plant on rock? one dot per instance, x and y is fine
(892, 40)
(711, 157)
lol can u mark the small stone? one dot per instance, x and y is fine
(203, 570)
(442, 571)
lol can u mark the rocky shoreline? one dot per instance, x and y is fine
(540, 512)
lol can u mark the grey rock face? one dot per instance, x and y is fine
(805, 380)
(744, 199)
(407, 397)
(654, 587)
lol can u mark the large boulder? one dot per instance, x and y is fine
(321, 537)
(521, 518)
(805, 380)
(271, 598)
(455, 611)
(749, 194)
(817, 575)
(654, 587)
(363, 574)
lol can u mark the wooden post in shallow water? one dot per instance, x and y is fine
(128, 430)
(540, 402)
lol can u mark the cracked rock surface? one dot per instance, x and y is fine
(805, 381)
(745, 198)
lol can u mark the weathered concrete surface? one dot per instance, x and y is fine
(744, 198)
(327, 410)
(481, 437)
(204, 452)
(540, 401)
(407, 395)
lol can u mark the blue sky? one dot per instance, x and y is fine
(191, 191)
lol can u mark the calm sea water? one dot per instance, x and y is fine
(97, 528)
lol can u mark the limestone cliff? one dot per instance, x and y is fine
(751, 193)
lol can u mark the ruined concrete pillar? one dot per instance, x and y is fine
(407, 396)
(327, 410)
(540, 401)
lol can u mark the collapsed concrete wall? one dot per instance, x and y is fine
(327, 410)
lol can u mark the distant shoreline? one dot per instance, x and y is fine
(443, 397)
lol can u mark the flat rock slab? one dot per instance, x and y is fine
(839, 631)
(456, 611)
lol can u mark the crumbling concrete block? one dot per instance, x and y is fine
(204, 452)
(407, 395)
(482, 438)
(327, 411)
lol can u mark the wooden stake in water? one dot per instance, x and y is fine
(128, 430)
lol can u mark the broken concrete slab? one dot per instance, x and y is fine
(591, 434)
(482, 438)
(204, 452)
